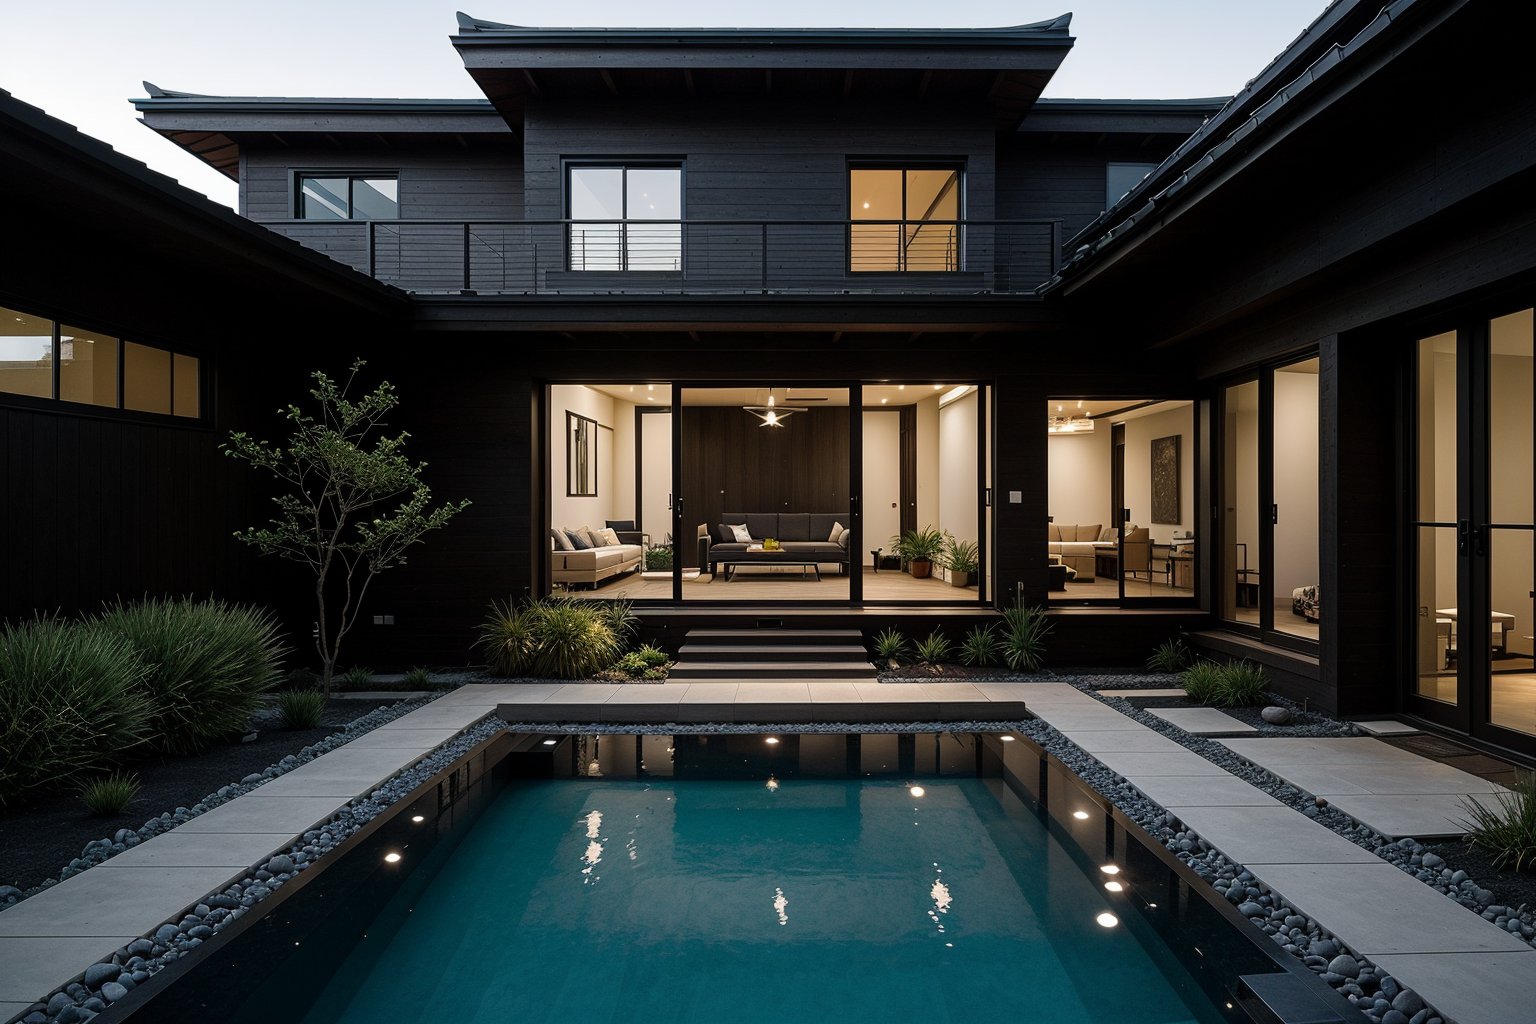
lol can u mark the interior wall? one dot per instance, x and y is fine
(882, 480)
(1511, 553)
(1295, 483)
(957, 468)
(566, 510)
(1078, 479)
(1444, 470)
(624, 440)
(1139, 434)
(656, 480)
(928, 462)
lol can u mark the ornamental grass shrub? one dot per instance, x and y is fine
(301, 709)
(1506, 830)
(933, 649)
(1202, 682)
(70, 702)
(1169, 656)
(981, 647)
(207, 665)
(110, 795)
(1023, 642)
(557, 637)
(889, 645)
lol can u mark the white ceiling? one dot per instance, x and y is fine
(809, 397)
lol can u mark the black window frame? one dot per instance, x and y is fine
(624, 165)
(353, 176)
(902, 164)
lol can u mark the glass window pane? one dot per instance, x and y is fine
(1296, 498)
(1437, 429)
(324, 199)
(1509, 379)
(87, 367)
(874, 194)
(597, 193)
(186, 399)
(375, 199)
(1437, 632)
(146, 378)
(1512, 549)
(26, 354)
(654, 193)
(653, 246)
(1121, 178)
(933, 194)
(1242, 588)
(596, 247)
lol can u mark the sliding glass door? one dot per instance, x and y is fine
(1474, 529)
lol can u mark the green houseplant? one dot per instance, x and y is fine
(962, 558)
(919, 549)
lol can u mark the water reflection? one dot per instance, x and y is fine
(781, 905)
(752, 756)
(594, 852)
(942, 900)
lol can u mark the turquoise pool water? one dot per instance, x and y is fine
(805, 900)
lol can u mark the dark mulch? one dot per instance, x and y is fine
(37, 840)
(947, 671)
(1250, 715)
(1511, 888)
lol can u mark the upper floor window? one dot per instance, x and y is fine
(1121, 178)
(44, 359)
(349, 197)
(905, 218)
(625, 216)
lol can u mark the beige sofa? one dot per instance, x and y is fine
(1077, 545)
(593, 565)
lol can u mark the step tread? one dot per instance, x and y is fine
(760, 682)
(799, 666)
(778, 649)
(702, 633)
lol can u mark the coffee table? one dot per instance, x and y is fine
(758, 555)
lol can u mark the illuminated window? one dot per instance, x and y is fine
(904, 218)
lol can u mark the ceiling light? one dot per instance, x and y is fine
(1110, 869)
(418, 818)
(650, 387)
(1080, 815)
(901, 387)
(1107, 919)
(938, 387)
(917, 791)
(884, 400)
(772, 741)
(392, 858)
(1114, 886)
(866, 206)
(650, 398)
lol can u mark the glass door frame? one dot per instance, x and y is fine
(1471, 715)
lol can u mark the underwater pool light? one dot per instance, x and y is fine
(1080, 815)
(1110, 869)
(391, 857)
(917, 791)
(1114, 886)
(1107, 919)
(418, 818)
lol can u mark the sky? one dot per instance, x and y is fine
(81, 60)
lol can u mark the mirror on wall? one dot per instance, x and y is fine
(580, 456)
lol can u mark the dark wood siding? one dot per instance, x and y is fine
(1062, 180)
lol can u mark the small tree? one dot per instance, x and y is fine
(351, 505)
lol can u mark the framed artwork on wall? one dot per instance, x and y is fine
(580, 456)
(1165, 479)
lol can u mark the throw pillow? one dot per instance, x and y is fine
(837, 533)
(845, 538)
(724, 535)
(579, 541)
(609, 537)
(740, 533)
(562, 542)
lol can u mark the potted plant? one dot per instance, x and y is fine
(962, 558)
(658, 558)
(919, 549)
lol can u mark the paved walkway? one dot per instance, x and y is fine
(1463, 965)
(48, 940)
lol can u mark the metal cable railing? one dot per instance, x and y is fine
(693, 257)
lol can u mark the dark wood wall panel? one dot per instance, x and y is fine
(732, 463)
(1064, 179)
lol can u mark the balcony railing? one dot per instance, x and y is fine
(693, 257)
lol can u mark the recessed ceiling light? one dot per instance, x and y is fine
(938, 387)
(1107, 919)
(866, 206)
(772, 741)
(1080, 815)
(901, 387)
(418, 818)
(650, 387)
(392, 858)
(917, 790)
(1114, 886)
(884, 400)
(1110, 869)
(650, 398)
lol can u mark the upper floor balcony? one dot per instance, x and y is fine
(693, 257)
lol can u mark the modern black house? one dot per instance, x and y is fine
(1256, 369)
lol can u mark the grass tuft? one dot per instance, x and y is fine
(109, 796)
(1507, 831)
(1202, 682)
(981, 646)
(889, 645)
(1170, 656)
(301, 709)
(933, 649)
(1024, 633)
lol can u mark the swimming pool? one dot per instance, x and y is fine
(747, 878)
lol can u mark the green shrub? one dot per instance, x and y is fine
(1242, 684)
(980, 646)
(1203, 681)
(933, 649)
(658, 558)
(637, 662)
(301, 709)
(358, 677)
(1024, 633)
(654, 673)
(620, 618)
(890, 645)
(209, 663)
(418, 678)
(556, 636)
(69, 702)
(507, 639)
(110, 796)
(1169, 656)
(1508, 830)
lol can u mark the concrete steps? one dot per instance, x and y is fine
(769, 655)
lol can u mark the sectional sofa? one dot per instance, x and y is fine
(807, 534)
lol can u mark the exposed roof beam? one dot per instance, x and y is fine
(277, 137)
(533, 84)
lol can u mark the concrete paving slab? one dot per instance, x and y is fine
(953, 691)
(257, 813)
(1376, 908)
(433, 717)
(1204, 791)
(1144, 742)
(583, 693)
(35, 967)
(773, 693)
(1472, 988)
(124, 901)
(1043, 693)
(1279, 750)
(200, 849)
(1159, 764)
(9, 1009)
(1084, 719)
(710, 693)
(1156, 691)
(841, 693)
(1430, 816)
(1271, 835)
(906, 692)
(491, 694)
(1386, 727)
(1423, 779)
(1202, 721)
(403, 739)
(649, 693)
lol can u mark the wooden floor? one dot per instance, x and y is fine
(1107, 588)
(769, 583)
(1513, 693)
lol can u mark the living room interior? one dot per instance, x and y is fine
(1121, 499)
(775, 461)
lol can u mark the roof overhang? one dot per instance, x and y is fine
(1004, 68)
(213, 128)
(1180, 117)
